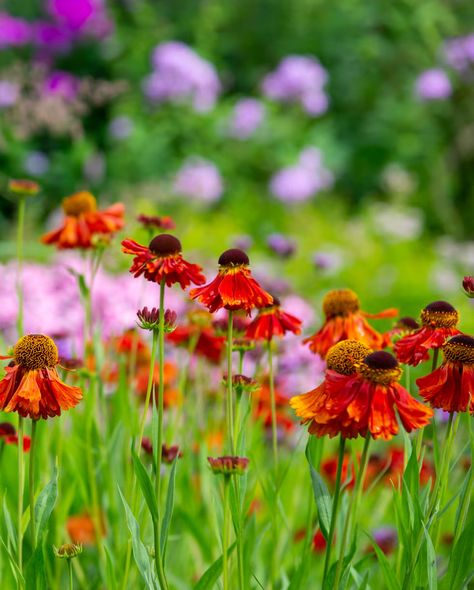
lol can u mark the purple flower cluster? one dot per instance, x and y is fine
(433, 84)
(67, 21)
(459, 52)
(199, 180)
(281, 245)
(303, 180)
(180, 74)
(62, 84)
(298, 79)
(247, 116)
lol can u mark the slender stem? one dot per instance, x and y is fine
(32, 484)
(149, 388)
(19, 254)
(161, 390)
(225, 534)
(21, 485)
(335, 507)
(230, 393)
(71, 581)
(241, 361)
(352, 509)
(271, 382)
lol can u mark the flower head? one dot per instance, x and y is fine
(228, 465)
(32, 386)
(9, 436)
(345, 320)
(84, 222)
(23, 188)
(438, 322)
(272, 321)
(234, 287)
(451, 386)
(366, 401)
(433, 84)
(468, 286)
(68, 550)
(149, 319)
(155, 222)
(163, 260)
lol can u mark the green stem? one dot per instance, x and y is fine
(230, 393)
(352, 509)
(241, 361)
(21, 485)
(161, 390)
(71, 581)
(271, 383)
(225, 533)
(32, 484)
(421, 432)
(335, 507)
(149, 389)
(19, 254)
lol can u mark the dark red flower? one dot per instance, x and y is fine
(438, 322)
(152, 222)
(450, 387)
(162, 259)
(272, 322)
(234, 287)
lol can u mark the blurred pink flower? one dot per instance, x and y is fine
(247, 116)
(433, 84)
(199, 180)
(14, 31)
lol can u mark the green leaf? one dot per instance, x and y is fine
(111, 568)
(9, 524)
(462, 557)
(140, 553)
(35, 573)
(165, 526)
(431, 570)
(146, 486)
(211, 575)
(45, 504)
(13, 564)
(388, 572)
(322, 498)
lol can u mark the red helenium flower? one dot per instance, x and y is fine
(234, 287)
(32, 387)
(450, 387)
(345, 320)
(438, 322)
(162, 260)
(367, 401)
(272, 322)
(84, 222)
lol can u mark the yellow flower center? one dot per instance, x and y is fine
(380, 367)
(440, 314)
(344, 356)
(35, 351)
(79, 203)
(340, 302)
(460, 349)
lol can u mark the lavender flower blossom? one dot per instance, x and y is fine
(9, 93)
(298, 79)
(120, 127)
(247, 117)
(433, 84)
(14, 32)
(200, 180)
(302, 181)
(36, 163)
(180, 74)
(281, 245)
(459, 52)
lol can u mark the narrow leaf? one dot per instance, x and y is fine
(146, 485)
(165, 527)
(211, 575)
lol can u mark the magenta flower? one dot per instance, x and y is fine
(63, 84)
(433, 84)
(14, 31)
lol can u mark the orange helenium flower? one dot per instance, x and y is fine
(32, 387)
(438, 322)
(451, 386)
(343, 359)
(83, 222)
(366, 401)
(272, 321)
(345, 320)
(234, 287)
(162, 260)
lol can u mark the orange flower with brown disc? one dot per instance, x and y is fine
(450, 387)
(272, 321)
(342, 359)
(32, 386)
(84, 223)
(368, 400)
(346, 321)
(234, 287)
(163, 260)
(438, 322)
